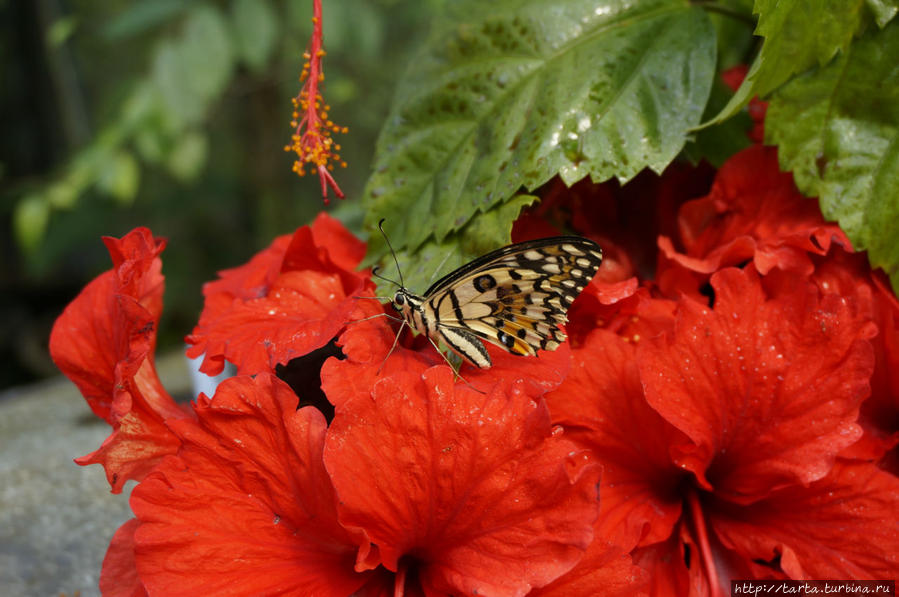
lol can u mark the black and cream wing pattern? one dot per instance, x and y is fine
(516, 297)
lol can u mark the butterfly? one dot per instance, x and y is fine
(516, 297)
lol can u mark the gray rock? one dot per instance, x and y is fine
(56, 518)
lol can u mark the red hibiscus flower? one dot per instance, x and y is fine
(753, 212)
(848, 274)
(104, 342)
(606, 569)
(246, 506)
(461, 491)
(721, 438)
(289, 300)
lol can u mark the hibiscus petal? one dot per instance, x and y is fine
(753, 212)
(768, 390)
(545, 371)
(344, 250)
(634, 316)
(602, 407)
(842, 526)
(104, 342)
(291, 299)
(96, 330)
(469, 491)
(365, 345)
(604, 565)
(667, 567)
(849, 274)
(119, 575)
(139, 441)
(250, 280)
(246, 507)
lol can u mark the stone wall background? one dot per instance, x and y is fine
(56, 518)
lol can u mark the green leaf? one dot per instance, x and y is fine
(142, 16)
(354, 26)
(717, 143)
(119, 177)
(733, 25)
(84, 170)
(151, 145)
(30, 221)
(64, 193)
(170, 79)
(510, 94)
(141, 104)
(255, 29)
(61, 30)
(188, 157)
(434, 259)
(884, 10)
(192, 70)
(206, 51)
(838, 130)
(798, 35)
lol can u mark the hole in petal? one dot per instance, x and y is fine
(303, 375)
(707, 290)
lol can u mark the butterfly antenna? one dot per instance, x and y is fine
(440, 267)
(387, 315)
(392, 252)
(374, 272)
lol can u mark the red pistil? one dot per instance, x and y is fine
(399, 581)
(702, 539)
(312, 140)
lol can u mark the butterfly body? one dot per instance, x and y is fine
(516, 297)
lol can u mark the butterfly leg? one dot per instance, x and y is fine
(455, 371)
(395, 340)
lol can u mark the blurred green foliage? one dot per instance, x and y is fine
(171, 115)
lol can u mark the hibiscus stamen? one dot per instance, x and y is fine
(399, 581)
(311, 140)
(702, 538)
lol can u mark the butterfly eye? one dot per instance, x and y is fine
(398, 300)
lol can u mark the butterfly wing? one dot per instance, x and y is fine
(516, 297)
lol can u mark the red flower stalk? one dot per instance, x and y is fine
(312, 140)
